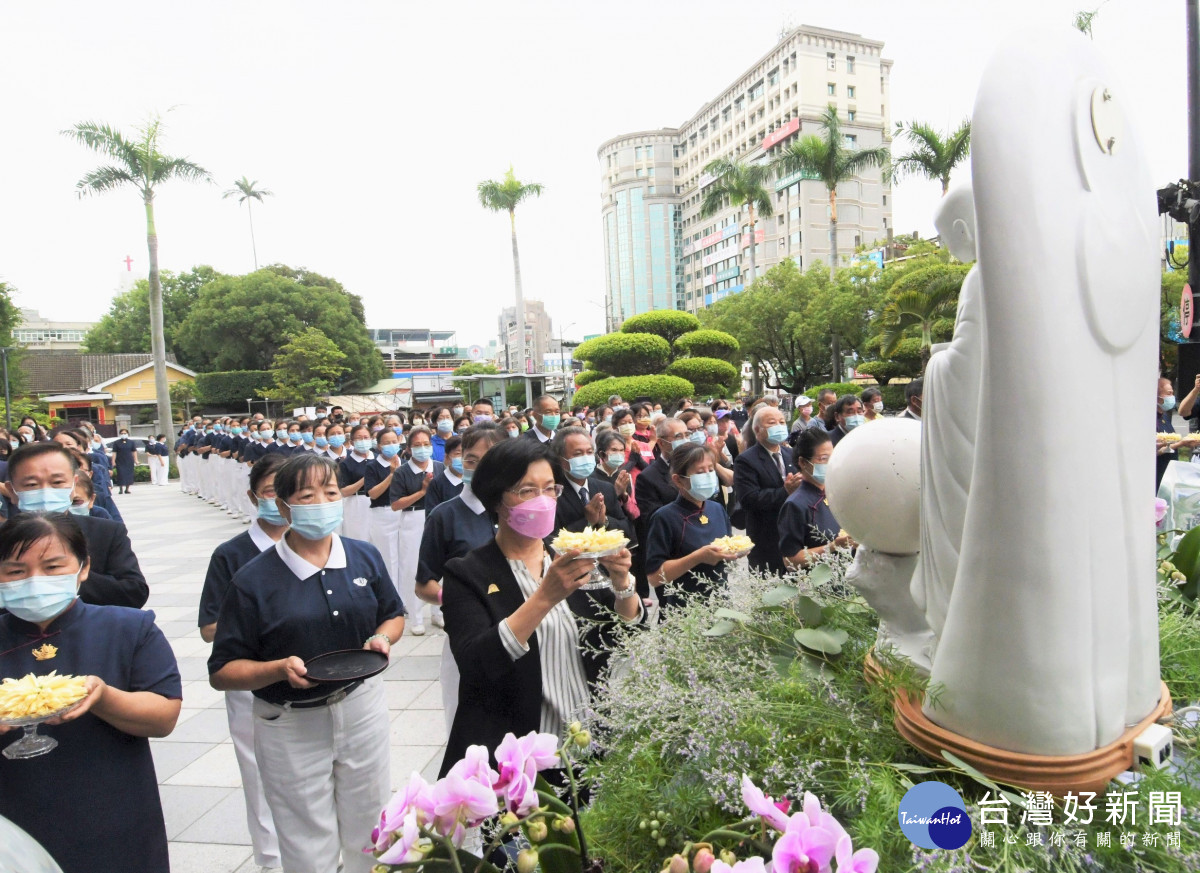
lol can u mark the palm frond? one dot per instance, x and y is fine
(166, 169)
(244, 190)
(855, 162)
(922, 135)
(891, 335)
(106, 140)
(809, 153)
(107, 178)
(506, 195)
(959, 144)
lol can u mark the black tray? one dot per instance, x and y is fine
(346, 665)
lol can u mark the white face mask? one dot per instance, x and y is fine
(877, 406)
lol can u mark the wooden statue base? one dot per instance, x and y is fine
(1091, 771)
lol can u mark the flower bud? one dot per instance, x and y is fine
(567, 825)
(527, 860)
(537, 831)
(654, 824)
(574, 728)
(728, 857)
(508, 819)
(643, 824)
(582, 739)
(662, 842)
(678, 864)
(702, 861)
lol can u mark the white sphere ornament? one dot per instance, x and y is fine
(873, 483)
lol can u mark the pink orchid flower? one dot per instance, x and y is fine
(803, 850)
(1160, 509)
(849, 861)
(463, 798)
(409, 846)
(762, 805)
(413, 797)
(817, 817)
(519, 761)
(750, 865)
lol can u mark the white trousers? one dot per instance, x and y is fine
(239, 706)
(187, 474)
(385, 535)
(412, 525)
(327, 775)
(356, 522)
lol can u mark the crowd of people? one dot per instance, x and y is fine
(363, 528)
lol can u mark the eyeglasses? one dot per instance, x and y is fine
(530, 492)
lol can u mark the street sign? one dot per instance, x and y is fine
(475, 353)
(1187, 311)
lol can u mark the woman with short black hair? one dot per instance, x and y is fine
(807, 527)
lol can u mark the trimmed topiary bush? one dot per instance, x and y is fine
(882, 371)
(704, 371)
(231, 388)
(708, 344)
(840, 387)
(661, 388)
(670, 324)
(893, 397)
(714, 391)
(625, 354)
(587, 377)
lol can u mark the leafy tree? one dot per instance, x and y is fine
(309, 365)
(661, 388)
(243, 189)
(138, 163)
(704, 371)
(242, 322)
(828, 156)
(10, 320)
(470, 390)
(669, 324)
(740, 183)
(125, 328)
(587, 377)
(708, 344)
(918, 303)
(231, 389)
(933, 155)
(308, 279)
(625, 354)
(506, 196)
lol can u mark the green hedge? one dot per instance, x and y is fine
(840, 387)
(661, 388)
(232, 387)
(704, 371)
(704, 391)
(882, 371)
(669, 324)
(708, 344)
(587, 377)
(893, 396)
(625, 354)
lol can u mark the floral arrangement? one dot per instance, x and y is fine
(426, 825)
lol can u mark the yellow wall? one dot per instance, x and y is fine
(139, 387)
(65, 411)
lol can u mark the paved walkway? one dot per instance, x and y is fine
(173, 536)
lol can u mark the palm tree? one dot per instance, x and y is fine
(137, 163)
(933, 156)
(506, 196)
(740, 183)
(919, 307)
(829, 158)
(245, 191)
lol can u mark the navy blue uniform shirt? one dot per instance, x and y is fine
(406, 481)
(677, 530)
(374, 473)
(93, 802)
(227, 559)
(271, 613)
(805, 521)
(352, 468)
(442, 489)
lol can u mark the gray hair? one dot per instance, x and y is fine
(663, 428)
(762, 410)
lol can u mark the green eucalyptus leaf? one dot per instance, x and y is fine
(732, 614)
(780, 595)
(783, 664)
(827, 641)
(820, 574)
(721, 628)
(809, 611)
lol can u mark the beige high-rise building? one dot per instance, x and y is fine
(661, 254)
(537, 337)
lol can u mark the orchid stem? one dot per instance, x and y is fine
(583, 850)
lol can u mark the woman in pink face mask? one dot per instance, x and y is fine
(518, 624)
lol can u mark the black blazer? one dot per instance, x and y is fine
(114, 579)
(570, 513)
(653, 490)
(495, 693)
(758, 487)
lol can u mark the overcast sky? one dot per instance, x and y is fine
(373, 122)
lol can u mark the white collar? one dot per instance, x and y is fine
(576, 485)
(339, 455)
(301, 568)
(412, 465)
(468, 497)
(383, 462)
(537, 430)
(368, 456)
(260, 538)
(452, 476)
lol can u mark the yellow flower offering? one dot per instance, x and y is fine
(44, 652)
(1169, 437)
(33, 696)
(734, 544)
(588, 540)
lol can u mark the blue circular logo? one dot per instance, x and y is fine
(933, 816)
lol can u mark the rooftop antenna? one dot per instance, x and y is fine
(787, 26)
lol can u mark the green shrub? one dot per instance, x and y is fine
(232, 387)
(714, 391)
(705, 371)
(625, 354)
(670, 324)
(661, 388)
(587, 377)
(708, 344)
(883, 371)
(840, 387)
(893, 396)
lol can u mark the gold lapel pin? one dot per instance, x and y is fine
(493, 589)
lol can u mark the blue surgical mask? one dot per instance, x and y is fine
(307, 436)
(265, 436)
(550, 422)
(79, 509)
(354, 422)
(363, 446)
(582, 466)
(1168, 403)
(390, 451)
(295, 437)
(97, 446)
(616, 459)
(698, 437)
(397, 429)
(710, 429)
(513, 433)
(682, 441)
(421, 454)
(281, 433)
(218, 428)
(337, 441)
(45, 499)
(467, 476)
(315, 521)
(445, 426)
(458, 410)
(15, 443)
(853, 421)
(818, 473)
(777, 433)
(40, 598)
(456, 466)
(269, 512)
(236, 431)
(702, 485)
(321, 442)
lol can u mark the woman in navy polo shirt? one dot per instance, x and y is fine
(680, 556)
(322, 750)
(806, 524)
(351, 476)
(410, 483)
(93, 801)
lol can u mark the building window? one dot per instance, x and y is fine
(831, 89)
(650, 189)
(850, 92)
(649, 153)
(885, 200)
(849, 64)
(795, 238)
(851, 140)
(851, 115)
(756, 90)
(831, 61)
(637, 153)
(650, 171)
(773, 77)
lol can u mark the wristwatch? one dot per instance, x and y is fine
(625, 593)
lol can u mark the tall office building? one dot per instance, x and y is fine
(659, 253)
(537, 338)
